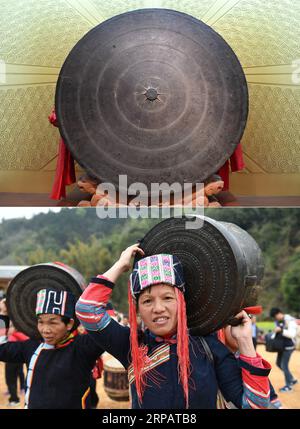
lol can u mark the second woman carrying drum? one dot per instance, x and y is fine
(167, 367)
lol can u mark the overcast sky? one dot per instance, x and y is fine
(27, 212)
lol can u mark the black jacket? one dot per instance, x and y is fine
(61, 376)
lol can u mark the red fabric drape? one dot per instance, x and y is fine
(235, 163)
(65, 167)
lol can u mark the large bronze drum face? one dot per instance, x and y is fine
(223, 268)
(154, 94)
(23, 289)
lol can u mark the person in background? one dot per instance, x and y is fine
(286, 326)
(14, 370)
(4, 321)
(125, 321)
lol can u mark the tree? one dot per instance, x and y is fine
(89, 258)
(290, 284)
(39, 255)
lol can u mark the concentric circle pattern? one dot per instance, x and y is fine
(154, 94)
(23, 289)
(223, 267)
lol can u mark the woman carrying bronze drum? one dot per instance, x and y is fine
(167, 367)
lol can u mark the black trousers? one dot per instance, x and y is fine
(13, 371)
(282, 362)
(94, 398)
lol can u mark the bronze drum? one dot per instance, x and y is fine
(23, 289)
(154, 94)
(223, 268)
(116, 380)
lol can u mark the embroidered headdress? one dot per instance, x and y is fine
(156, 269)
(51, 301)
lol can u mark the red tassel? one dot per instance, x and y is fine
(65, 168)
(98, 369)
(138, 352)
(184, 366)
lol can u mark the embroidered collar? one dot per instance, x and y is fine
(167, 339)
(158, 356)
(65, 342)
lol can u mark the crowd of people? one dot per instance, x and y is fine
(165, 364)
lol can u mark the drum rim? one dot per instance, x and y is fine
(84, 163)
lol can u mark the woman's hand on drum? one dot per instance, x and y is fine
(124, 263)
(242, 333)
(125, 260)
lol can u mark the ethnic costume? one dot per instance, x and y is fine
(58, 376)
(160, 381)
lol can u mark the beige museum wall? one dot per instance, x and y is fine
(37, 35)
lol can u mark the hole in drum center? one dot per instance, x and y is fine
(151, 94)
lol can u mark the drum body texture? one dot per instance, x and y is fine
(223, 268)
(23, 289)
(116, 380)
(150, 90)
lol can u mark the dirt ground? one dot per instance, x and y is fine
(289, 400)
